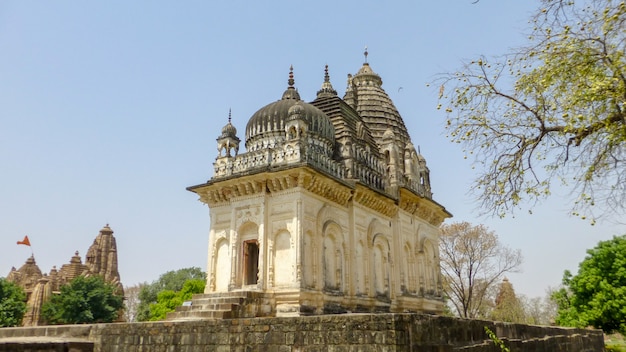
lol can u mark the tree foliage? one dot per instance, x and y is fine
(508, 306)
(596, 296)
(472, 262)
(168, 300)
(549, 112)
(172, 281)
(83, 300)
(12, 304)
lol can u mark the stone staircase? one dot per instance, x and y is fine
(225, 305)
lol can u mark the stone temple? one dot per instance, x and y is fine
(101, 260)
(328, 210)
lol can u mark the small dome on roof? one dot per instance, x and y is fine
(296, 111)
(229, 130)
(269, 121)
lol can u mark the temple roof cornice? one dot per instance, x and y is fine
(425, 208)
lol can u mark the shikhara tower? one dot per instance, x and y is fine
(328, 210)
(101, 260)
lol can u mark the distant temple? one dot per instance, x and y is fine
(329, 210)
(101, 260)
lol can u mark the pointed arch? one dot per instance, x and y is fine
(309, 254)
(221, 266)
(409, 279)
(430, 266)
(381, 267)
(283, 260)
(360, 264)
(332, 256)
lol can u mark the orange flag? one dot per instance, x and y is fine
(25, 241)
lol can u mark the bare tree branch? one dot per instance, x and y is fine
(552, 111)
(472, 262)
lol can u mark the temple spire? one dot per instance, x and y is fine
(327, 88)
(326, 76)
(365, 54)
(291, 81)
(291, 92)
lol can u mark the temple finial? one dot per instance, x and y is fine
(291, 80)
(327, 88)
(365, 53)
(229, 114)
(326, 76)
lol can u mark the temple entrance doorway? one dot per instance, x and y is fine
(250, 262)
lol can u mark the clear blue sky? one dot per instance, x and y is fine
(108, 110)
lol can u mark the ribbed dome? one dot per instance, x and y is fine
(229, 130)
(375, 106)
(268, 123)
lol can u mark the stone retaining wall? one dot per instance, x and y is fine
(32, 346)
(339, 333)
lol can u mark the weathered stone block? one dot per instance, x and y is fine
(362, 333)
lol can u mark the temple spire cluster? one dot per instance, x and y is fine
(101, 260)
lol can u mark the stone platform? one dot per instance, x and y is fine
(340, 333)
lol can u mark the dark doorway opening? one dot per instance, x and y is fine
(250, 262)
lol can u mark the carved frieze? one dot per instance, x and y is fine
(375, 201)
(325, 187)
(423, 208)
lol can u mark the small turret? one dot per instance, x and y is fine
(228, 142)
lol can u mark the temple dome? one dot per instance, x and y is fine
(267, 125)
(375, 106)
(229, 130)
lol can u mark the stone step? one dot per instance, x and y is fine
(244, 294)
(223, 305)
(197, 315)
(216, 300)
(202, 307)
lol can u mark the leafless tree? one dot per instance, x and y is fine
(539, 310)
(473, 262)
(131, 299)
(550, 113)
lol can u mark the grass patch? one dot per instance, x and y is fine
(614, 343)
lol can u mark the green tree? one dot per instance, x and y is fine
(168, 300)
(508, 307)
(472, 262)
(549, 112)
(83, 300)
(12, 304)
(172, 281)
(596, 296)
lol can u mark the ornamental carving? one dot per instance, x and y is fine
(243, 216)
(375, 201)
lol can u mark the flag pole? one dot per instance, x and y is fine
(26, 242)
